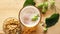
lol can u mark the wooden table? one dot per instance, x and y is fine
(11, 8)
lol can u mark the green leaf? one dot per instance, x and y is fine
(44, 10)
(46, 5)
(29, 2)
(43, 7)
(52, 2)
(45, 29)
(35, 18)
(40, 5)
(52, 20)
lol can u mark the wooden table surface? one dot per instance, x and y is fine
(11, 8)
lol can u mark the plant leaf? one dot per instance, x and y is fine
(29, 2)
(43, 7)
(40, 5)
(52, 20)
(35, 18)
